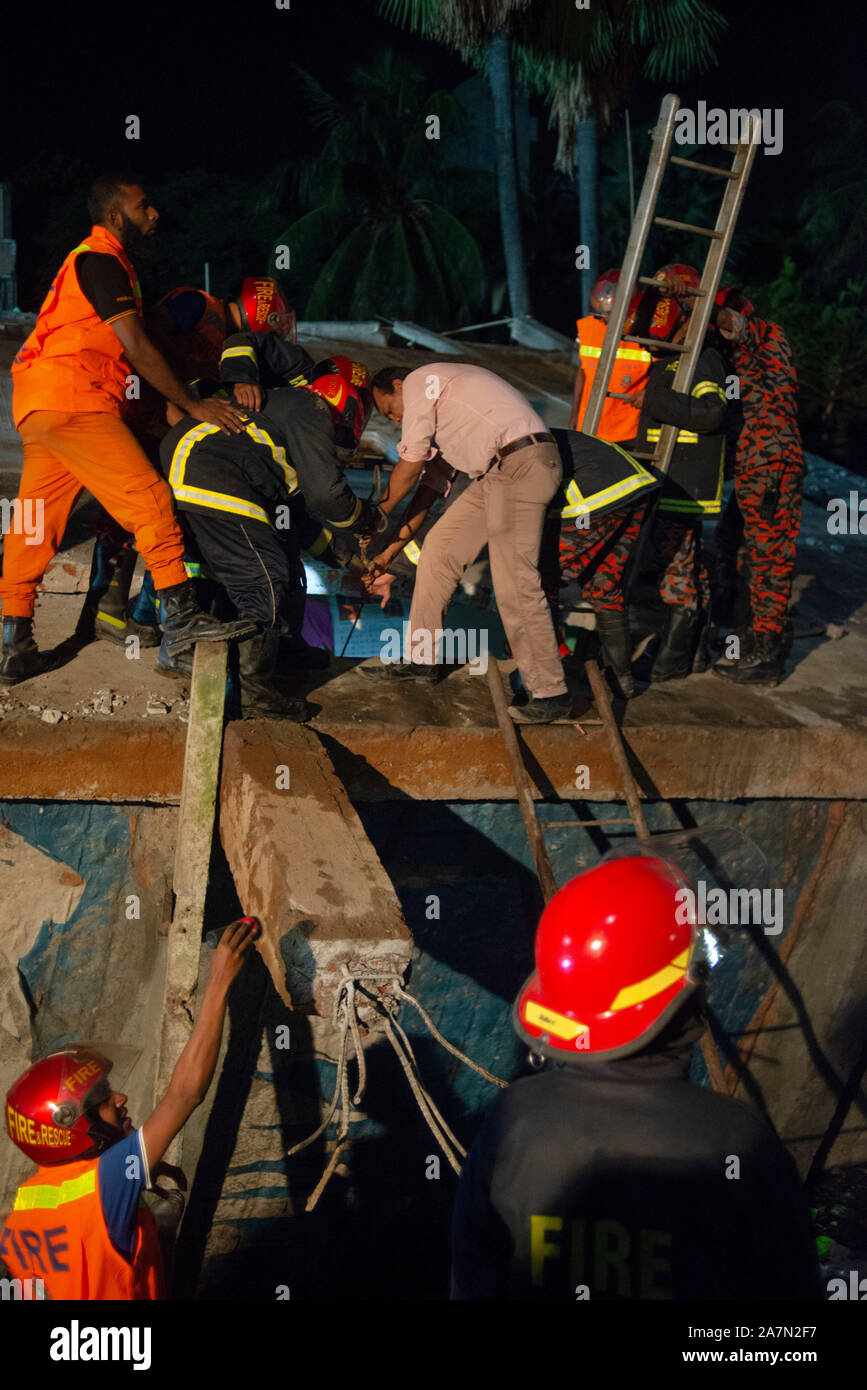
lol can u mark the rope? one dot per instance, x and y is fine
(421, 1100)
(449, 1047)
(423, 1095)
(345, 1016)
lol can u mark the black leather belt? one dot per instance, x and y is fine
(523, 443)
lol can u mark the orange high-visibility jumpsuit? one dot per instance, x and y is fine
(69, 384)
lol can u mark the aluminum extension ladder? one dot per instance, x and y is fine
(736, 177)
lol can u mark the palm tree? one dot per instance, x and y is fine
(661, 41)
(580, 60)
(378, 240)
(480, 31)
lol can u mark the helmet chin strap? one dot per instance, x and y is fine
(102, 1133)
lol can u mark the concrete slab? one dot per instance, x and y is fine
(303, 865)
(695, 738)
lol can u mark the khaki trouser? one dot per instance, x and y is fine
(505, 509)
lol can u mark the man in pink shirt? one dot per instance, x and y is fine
(485, 428)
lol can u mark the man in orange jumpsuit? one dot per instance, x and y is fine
(70, 382)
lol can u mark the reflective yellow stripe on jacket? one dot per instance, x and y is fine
(579, 505)
(238, 352)
(215, 501)
(48, 1198)
(622, 354)
(261, 436)
(322, 542)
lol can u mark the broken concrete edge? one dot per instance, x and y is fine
(129, 763)
(303, 865)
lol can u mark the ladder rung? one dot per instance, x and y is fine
(687, 227)
(656, 343)
(704, 168)
(646, 280)
(621, 395)
(634, 455)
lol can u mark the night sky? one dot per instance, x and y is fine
(213, 87)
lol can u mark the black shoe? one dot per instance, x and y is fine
(616, 642)
(745, 648)
(298, 653)
(403, 671)
(111, 629)
(257, 658)
(763, 665)
(701, 656)
(674, 658)
(542, 711)
(179, 666)
(20, 658)
(184, 623)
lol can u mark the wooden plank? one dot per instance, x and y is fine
(192, 860)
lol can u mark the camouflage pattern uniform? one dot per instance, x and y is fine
(596, 556)
(769, 476)
(684, 579)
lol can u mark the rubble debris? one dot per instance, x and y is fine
(53, 716)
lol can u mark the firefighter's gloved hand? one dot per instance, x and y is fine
(372, 521)
(341, 551)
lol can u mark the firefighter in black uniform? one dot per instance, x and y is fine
(609, 1174)
(241, 501)
(693, 487)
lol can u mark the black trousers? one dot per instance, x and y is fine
(260, 568)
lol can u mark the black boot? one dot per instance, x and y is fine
(184, 623)
(20, 658)
(761, 665)
(403, 671)
(674, 658)
(180, 665)
(701, 657)
(298, 654)
(260, 699)
(746, 641)
(616, 643)
(110, 622)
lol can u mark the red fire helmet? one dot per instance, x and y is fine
(345, 385)
(603, 292)
(632, 311)
(729, 297)
(51, 1109)
(688, 273)
(265, 309)
(614, 961)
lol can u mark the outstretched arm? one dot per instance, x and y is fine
(194, 1069)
